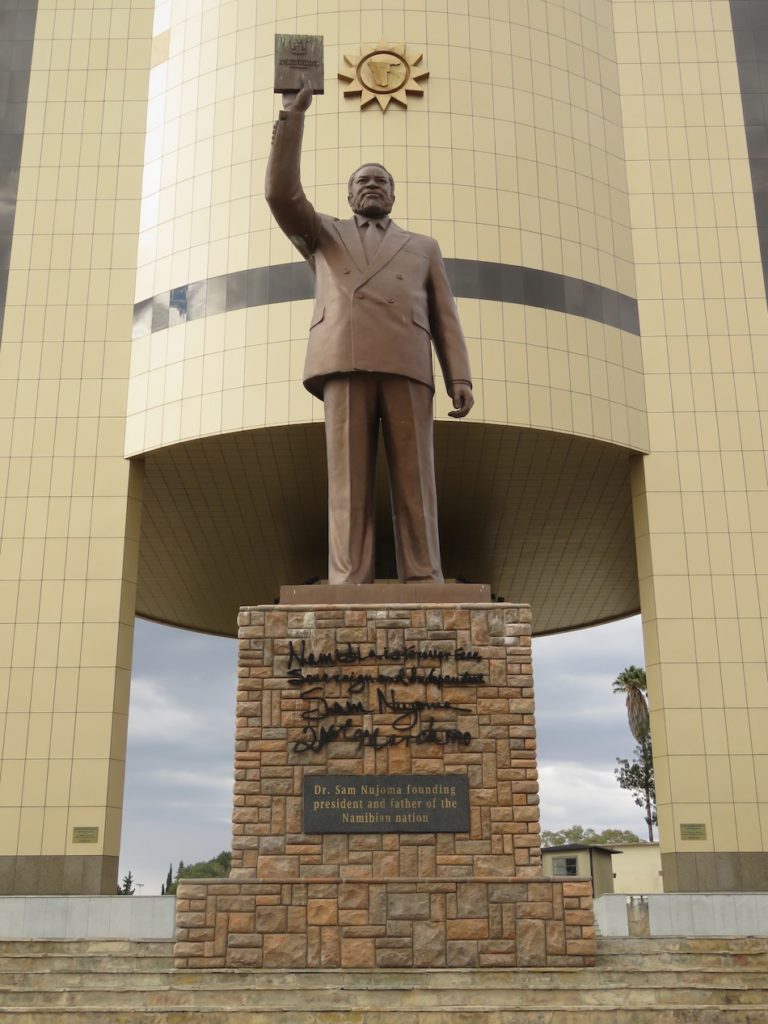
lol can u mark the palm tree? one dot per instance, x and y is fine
(632, 683)
(637, 777)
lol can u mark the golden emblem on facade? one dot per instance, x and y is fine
(384, 71)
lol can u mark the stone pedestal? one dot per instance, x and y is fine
(398, 719)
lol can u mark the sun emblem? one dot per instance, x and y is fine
(383, 71)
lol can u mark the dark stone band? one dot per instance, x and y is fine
(750, 34)
(17, 34)
(715, 872)
(470, 279)
(58, 875)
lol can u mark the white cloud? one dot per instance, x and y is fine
(572, 794)
(155, 714)
(197, 780)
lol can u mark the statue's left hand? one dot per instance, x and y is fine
(301, 100)
(463, 400)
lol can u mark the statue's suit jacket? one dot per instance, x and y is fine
(380, 317)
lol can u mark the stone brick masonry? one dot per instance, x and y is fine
(388, 899)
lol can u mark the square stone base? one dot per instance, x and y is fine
(396, 923)
(395, 691)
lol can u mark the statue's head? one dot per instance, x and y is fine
(371, 191)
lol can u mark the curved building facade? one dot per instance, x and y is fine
(591, 170)
(513, 159)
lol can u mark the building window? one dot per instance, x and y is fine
(565, 866)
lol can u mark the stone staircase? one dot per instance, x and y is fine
(695, 981)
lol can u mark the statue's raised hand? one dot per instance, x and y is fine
(301, 100)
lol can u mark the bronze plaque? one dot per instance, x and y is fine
(693, 831)
(386, 803)
(85, 834)
(296, 56)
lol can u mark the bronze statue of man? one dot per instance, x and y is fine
(382, 299)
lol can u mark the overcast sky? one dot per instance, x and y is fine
(178, 790)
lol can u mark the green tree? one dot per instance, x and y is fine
(617, 836)
(636, 776)
(579, 834)
(127, 888)
(216, 867)
(170, 886)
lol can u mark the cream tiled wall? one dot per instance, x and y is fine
(701, 497)
(70, 504)
(516, 154)
(513, 155)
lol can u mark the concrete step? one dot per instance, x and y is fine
(617, 1014)
(42, 963)
(414, 997)
(637, 981)
(624, 970)
(85, 947)
(682, 946)
(112, 956)
(387, 979)
(117, 956)
(743, 954)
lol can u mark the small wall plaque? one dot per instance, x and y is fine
(693, 831)
(386, 803)
(85, 834)
(296, 56)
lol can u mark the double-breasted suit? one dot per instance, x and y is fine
(369, 358)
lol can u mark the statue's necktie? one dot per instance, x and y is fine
(372, 236)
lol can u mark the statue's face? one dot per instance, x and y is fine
(371, 192)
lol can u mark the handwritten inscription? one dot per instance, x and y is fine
(385, 803)
(317, 738)
(350, 653)
(368, 681)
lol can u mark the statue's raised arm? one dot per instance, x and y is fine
(290, 207)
